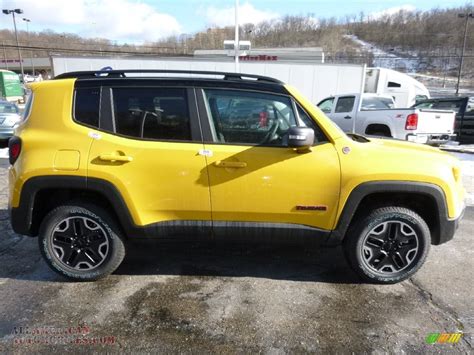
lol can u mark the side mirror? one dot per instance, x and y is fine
(300, 137)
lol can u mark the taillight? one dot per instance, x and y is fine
(14, 149)
(412, 122)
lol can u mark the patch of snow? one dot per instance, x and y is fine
(386, 59)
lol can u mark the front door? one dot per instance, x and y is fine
(254, 177)
(344, 113)
(151, 155)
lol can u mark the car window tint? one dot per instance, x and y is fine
(326, 105)
(241, 117)
(86, 108)
(448, 105)
(376, 103)
(345, 104)
(441, 105)
(152, 113)
(470, 107)
(424, 105)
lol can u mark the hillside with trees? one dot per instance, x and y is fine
(431, 39)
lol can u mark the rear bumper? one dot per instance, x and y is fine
(448, 228)
(6, 133)
(430, 138)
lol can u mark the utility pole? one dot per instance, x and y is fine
(467, 16)
(13, 12)
(236, 40)
(31, 53)
(5, 54)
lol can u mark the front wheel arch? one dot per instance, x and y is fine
(428, 200)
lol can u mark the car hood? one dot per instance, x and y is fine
(404, 145)
(408, 155)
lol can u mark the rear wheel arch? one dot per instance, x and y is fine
(378, 129)
(40, 195)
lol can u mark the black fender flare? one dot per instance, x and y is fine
(445, 226)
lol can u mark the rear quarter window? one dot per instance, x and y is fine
(86, 106)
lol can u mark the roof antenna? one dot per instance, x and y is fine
(102, 70)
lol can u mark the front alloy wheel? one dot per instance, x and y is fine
(389, 245)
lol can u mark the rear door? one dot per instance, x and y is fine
(148, 148)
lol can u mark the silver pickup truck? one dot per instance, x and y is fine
(371, 114)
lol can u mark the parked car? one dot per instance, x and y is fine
(370, 114)
(9, 118)
(105, 157)
(464, 109)
(10, 86)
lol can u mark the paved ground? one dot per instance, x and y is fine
(233, 299)
(465, 148)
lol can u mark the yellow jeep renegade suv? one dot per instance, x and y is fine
(102, 157)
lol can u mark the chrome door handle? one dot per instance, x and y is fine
(115, 157)
(230, 164)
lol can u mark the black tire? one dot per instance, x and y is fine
(90, 236)
(388, 235)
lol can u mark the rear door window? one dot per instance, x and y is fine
(152, 113)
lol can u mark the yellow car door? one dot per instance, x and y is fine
(149, 152)
(254, 177)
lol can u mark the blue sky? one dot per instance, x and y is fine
(148, 20)
(320, 8)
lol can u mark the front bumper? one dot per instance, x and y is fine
(448, 228)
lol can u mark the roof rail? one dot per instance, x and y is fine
(121, 74)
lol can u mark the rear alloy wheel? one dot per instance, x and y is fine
(389, 245)
(81, 242)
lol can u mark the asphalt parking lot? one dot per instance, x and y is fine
(228, 299)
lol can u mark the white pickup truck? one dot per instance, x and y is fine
(372, 114)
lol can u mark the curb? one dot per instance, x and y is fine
(458, 150)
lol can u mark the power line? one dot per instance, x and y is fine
(83, 50)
